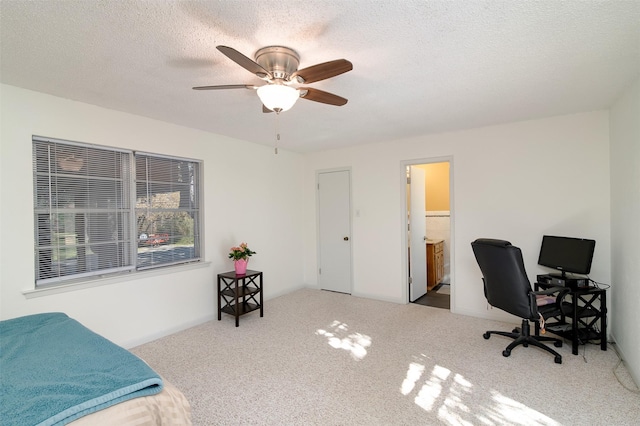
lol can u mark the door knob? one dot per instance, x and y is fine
(346, 238)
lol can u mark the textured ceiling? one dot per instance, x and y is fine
(419, 66)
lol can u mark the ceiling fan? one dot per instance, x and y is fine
(278, 66)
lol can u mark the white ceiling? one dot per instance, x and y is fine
(419, 66)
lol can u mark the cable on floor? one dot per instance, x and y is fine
(612, 345)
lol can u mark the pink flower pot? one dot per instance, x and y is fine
(241, 266)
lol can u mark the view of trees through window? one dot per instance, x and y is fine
(179, 224)
(166, 205)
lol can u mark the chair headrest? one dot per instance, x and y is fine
(492, 242)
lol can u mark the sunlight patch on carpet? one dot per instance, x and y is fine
(413, 375)
(516, 413)
(454, 410)
(338, 337)
(451, 395)
(432, 388)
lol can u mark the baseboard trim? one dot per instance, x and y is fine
(166, 332)
(380, 298)
(183, 326)
(490, 314)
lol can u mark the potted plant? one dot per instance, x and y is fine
(240, 256)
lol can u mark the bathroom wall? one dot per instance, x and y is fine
(437, 208)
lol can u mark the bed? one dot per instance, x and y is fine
(55, 371)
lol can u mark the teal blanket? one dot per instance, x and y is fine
(54, 370)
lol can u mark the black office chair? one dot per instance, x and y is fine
(507, 287)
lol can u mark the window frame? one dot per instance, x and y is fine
(128, 246)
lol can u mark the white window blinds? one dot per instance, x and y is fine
(82, 210)
(101, 210)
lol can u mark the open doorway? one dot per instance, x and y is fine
(429, 233)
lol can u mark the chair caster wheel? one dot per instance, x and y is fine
(516, 330)
(506, 353)
(558, 360)
(486, 335)
(557, 344)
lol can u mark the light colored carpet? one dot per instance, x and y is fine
(322, 358)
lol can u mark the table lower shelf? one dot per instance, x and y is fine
(564, 330)
(242, 291)
(243, 308)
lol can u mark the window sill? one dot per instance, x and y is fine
(112, 279)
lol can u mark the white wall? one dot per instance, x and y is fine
(625, 226)
(515, 181)
(250, 195)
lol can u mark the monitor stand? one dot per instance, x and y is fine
(562, 275)
(561, 279)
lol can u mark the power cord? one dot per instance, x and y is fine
(612, 345)
(596, 284)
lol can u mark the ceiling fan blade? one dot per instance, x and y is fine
(322, 71)
(321, 96)
(265, 109)
(226, 86)
(244, 62)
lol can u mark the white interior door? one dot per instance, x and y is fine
(334, 217)
(417, 234)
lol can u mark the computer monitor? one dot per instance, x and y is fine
(567, 254)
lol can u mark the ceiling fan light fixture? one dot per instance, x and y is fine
(278, 97)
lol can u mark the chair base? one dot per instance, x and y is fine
(523, 337)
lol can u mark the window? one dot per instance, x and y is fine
(166, 210)
(101, 210)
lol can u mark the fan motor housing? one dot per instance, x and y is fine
(280, 61)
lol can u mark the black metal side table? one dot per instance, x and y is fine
(583, 318)
(237, 294)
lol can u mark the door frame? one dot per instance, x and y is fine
(405, 225)
(317, 195)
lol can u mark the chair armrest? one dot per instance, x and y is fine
(561, 291)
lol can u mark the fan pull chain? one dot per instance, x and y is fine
(277, 131)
